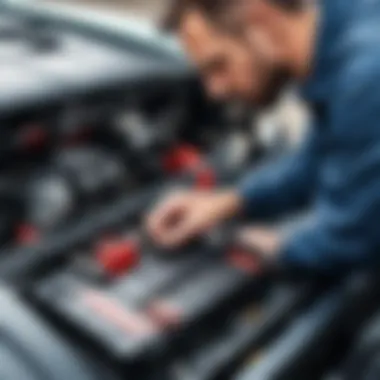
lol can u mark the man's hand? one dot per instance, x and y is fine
(266, 241)
(184, 215)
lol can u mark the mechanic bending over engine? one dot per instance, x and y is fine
(249, 50)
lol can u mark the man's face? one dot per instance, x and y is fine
(232, 67)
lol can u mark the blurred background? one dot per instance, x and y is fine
(149, 9)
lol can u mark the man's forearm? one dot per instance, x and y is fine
(277, 189)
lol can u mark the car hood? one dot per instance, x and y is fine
(133, 29)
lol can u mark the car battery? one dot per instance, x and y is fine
(134, 303)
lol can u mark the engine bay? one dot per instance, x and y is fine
(93, 133)
(116, 122)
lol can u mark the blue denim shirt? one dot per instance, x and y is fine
(337, 169)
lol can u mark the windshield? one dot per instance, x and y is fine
(134, 20)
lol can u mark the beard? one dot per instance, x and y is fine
(272, 88)
(274, 76)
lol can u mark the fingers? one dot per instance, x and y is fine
(181, 217)
(262, 239)
(180, 233)
(249, 236)
(165, 216)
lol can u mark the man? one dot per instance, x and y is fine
(248, 50)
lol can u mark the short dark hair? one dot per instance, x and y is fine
(213, 9)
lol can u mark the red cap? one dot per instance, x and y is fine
(244, 261)
(27, 234)
(118, 256)
(205, 179)
(181, 158)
